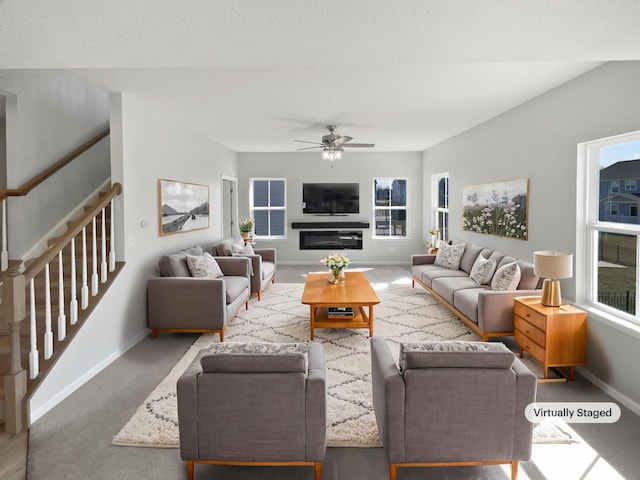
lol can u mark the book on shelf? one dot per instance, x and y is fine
(340, 312)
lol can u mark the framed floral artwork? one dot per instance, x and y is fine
(183, 206)
(498, 208)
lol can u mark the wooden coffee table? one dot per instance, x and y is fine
(356, 293)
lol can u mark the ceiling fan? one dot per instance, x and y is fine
(332, 144)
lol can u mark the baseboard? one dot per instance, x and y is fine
(34, 415)
(609, 390)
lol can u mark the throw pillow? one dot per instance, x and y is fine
(482, 270)
(203, 266)
(507, 277)
(449, 256)
(236, 249)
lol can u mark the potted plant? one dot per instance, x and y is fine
(246, 227)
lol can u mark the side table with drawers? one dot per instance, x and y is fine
(555, 336)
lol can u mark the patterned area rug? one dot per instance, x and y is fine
(403, 313)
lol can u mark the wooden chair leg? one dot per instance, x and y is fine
(246, 305)
(259, 295)
(221, 333)
(154, 333)
(514, 470)
(392, 471)
(413, 283)
(317, 470)
(190, 469)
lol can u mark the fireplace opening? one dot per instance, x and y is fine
(330, 240)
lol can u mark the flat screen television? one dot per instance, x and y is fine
(330, 198)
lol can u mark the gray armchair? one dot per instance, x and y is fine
(254, 404)
(451, 403)
(178, 302)
(263, 263)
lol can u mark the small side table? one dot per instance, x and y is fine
(555, 336)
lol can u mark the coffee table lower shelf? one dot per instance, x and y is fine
(360, 319)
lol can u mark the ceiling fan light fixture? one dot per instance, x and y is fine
(331, 154)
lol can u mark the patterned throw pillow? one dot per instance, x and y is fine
(259, 348)
(507, 277)
(449, 256)
(482, 270)
(454, 353)
(203, 266)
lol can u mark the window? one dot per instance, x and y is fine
(440, 204)
(611, 241)
(615, 186)
(390, 207)
(268, 206)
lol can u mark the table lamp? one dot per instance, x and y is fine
(552, 266)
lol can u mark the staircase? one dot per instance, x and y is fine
(46, 300)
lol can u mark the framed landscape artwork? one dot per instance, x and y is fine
(498, 208)
(183, 206)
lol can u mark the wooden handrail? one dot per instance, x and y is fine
(34, 182)
(38, 265)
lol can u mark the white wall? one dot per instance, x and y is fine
(147, 145)
(355, 167)
(51, 117)
(539, 140)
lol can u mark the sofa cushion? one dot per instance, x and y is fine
(234, 286)
(255, 357)
(433, 272)
(454, 354)
(203, 266)
(483, 270)
(268, 269)
(447, 286)
(507, 277)
(175, 264)
(224, 248)
(528, 279)
(449, 256)
(466, 301)
(471, 253)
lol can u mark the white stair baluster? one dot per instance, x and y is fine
(73, 304)
(112, 248)
(84, 291)
(103, 265)
(48, 334)
(94, 260)
(62, 318)
(34, 363)
(4, 255)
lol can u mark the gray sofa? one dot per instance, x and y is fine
(263, 263)
(255, 404)
(487, 311)
(179, 302)
(451, 403)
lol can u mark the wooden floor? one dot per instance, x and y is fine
(13, 455)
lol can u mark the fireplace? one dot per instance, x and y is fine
(330, 240)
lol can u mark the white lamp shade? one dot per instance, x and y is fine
(551, 264)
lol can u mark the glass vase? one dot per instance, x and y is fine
(336, 277)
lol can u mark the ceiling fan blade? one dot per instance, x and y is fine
(342, 140)
(305, 141)
(359, 145)
(309, 148)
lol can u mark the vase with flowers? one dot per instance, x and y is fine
(337, 264)
(246, 228)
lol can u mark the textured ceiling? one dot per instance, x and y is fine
(254, 75)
